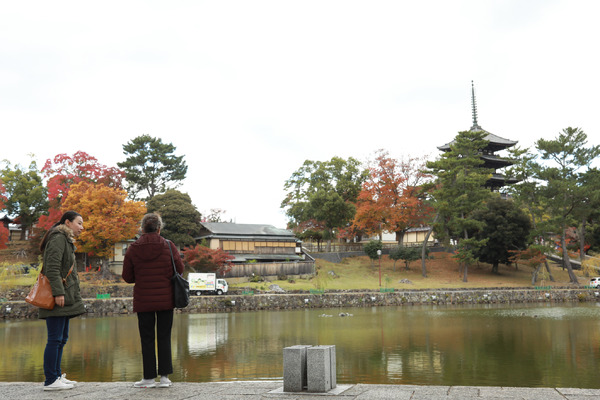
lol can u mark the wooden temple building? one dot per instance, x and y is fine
(488, 154)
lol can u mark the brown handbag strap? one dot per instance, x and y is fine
(70, 270)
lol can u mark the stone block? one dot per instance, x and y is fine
(332, 368)
(320, 364)
(294, 368)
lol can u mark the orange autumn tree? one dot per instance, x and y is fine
(63, 171)
(390, 199)
(534, 256)
(107, 216)
(4, 235)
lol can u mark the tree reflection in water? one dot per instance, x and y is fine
(489, 345)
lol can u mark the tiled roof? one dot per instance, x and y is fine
(230, 229)
(495, 142)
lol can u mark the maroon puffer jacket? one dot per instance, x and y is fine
(148, 264)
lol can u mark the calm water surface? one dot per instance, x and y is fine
(518, 345)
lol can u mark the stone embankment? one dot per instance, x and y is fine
(120, 301)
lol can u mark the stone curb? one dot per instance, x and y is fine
(274, 390)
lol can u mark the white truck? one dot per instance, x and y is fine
(206, 283)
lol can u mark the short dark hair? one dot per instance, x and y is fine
(151, 222)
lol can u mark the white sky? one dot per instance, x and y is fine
(248, 90)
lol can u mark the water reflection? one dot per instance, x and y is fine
(520, 345)
(205, 332)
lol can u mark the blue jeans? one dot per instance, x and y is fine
(58, 333)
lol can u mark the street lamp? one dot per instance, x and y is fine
(379, 255)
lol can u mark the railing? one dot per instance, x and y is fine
(348, 247)
(271, 269)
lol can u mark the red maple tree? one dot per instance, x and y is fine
(390, 199)
(205, 259)
(63, 171)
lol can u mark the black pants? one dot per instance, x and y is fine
(163, 320)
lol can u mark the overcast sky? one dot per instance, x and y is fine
(247, 90)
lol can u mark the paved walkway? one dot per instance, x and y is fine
(274, 390)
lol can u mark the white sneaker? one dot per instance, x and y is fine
(64, 379)
(58, 384)
(145, 383)
(164, 382)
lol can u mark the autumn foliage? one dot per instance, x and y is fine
(4, 234)
(532, 256)
(63, 171)
(390, 199)
(108, 217)
(205, 259)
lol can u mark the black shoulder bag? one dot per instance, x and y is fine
(181, 287)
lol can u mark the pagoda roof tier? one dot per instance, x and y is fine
(495, 142)
(492, 161)
(499, 180)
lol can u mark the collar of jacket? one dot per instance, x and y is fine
(68, 232)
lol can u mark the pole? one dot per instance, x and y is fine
(379, 255)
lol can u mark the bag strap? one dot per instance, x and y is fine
(69, 273)
(172, 259)
(64, 280)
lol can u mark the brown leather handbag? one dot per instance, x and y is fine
(40, 294)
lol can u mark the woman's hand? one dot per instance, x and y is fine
(60, 301)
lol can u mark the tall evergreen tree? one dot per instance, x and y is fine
(180, 216)
(325, 193)
(525, 193)
(587, 211)
(151, 167)
(26, 194)
(459, 193)
(567, 159)
(507, 229)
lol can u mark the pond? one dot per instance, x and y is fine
(488, 345)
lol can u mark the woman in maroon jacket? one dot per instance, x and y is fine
(148, 264)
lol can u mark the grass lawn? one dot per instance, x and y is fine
(359, 273)
(442, 272)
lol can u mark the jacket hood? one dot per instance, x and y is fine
(150, 246)
(65, 230)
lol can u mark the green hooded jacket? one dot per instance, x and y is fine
(59, 256)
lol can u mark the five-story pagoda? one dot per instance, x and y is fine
(488, 154)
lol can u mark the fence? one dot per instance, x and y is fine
(351, 247)
(272, 269)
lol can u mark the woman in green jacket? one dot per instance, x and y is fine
(59, 257)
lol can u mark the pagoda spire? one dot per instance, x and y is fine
(475, 126)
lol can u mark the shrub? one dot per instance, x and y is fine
(371, 249)
(407, 254)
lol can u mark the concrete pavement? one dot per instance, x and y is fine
(274, 390)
